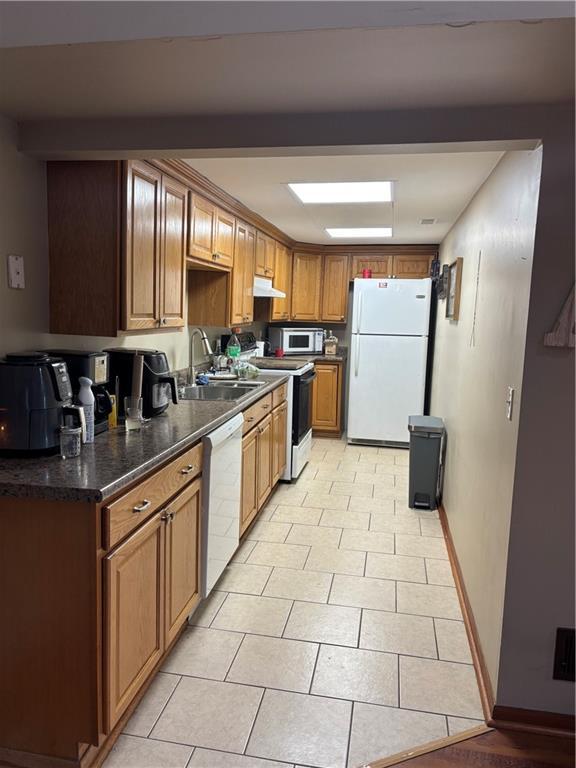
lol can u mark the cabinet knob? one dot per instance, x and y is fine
(164, 321)
(167, 517)
(144, 504)
(250, 418)
(187, 469)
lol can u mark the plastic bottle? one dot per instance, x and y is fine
(86, 400)
(233, 346)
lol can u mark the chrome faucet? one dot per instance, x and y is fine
(205, 346)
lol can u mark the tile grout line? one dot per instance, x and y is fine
(254, 721)
(240, 644)
(161, 711)
(347, 758)
(314, 670)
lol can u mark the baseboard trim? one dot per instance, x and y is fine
(484, 683)
(431, 746)
(532, 721)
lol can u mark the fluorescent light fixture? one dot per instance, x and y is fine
(353, 232)
(344, 192)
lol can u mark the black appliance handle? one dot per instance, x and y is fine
(173, 388)
(307, 377)
(102, 397)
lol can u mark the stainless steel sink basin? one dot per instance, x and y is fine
(239, 383)
(214, 392)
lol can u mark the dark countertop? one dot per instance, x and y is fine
(339, 357)
(116, 458)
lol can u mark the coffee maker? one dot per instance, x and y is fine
(35, 394)
(94, 366)
(158, 386)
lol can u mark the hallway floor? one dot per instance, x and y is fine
(334, 637)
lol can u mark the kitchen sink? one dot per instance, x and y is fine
(240, 383)
(215, 392)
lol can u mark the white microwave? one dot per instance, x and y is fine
(297, 341)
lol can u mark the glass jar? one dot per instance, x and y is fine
(70, 442)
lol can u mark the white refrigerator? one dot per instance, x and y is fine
(388, 351)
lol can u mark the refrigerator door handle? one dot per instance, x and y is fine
(357, 359)
(359, 315)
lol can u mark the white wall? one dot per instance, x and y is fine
(473, 366)
(24, 314)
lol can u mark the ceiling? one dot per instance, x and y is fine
(356, 70)
(436, 185)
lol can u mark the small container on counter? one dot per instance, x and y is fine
(70, 442)
(330, 344)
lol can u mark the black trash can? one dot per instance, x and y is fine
(427, 440)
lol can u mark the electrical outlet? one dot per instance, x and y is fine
(16, 271)
(509, 403)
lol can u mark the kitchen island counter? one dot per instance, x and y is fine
(116, 459)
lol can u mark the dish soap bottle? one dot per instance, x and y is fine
(233, 346)
(86, 400)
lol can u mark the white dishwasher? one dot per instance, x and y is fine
(221, 493)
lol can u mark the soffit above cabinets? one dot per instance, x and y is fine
(434, 186)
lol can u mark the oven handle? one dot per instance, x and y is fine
(306, 378)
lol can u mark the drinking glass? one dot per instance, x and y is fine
(133, 413)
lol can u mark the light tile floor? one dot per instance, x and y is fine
(334, 637)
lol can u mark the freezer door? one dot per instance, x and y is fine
(394, 307)
(386, 385)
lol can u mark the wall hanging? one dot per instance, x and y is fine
(454, 287)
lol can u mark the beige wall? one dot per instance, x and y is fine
(473, 366)
(23, 230)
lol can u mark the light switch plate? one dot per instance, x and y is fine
(15, 271)
(509, 403)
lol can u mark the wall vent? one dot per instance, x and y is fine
(427, 222)
(564, 655)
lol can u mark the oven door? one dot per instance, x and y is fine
(298, 342)
(302, 407)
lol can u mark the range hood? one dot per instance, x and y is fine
(263, 287)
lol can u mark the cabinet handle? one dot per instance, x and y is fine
(167, 517)
(163, 321)
(250, 418)
(265, 406)
(144, 504)
(187, 469)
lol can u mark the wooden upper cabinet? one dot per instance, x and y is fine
(142, 253)
(182, 558)
(201, 217)
(224, 232)
(306, 283)
(173, 253)
(379, 263)
(134, 595)
(242, 277)
(280, 308)
(327, 397)
(335, 281)
(411, 266)
(265, 255)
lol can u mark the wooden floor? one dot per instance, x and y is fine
(500, 749)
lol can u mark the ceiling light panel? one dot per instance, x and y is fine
(343, 192)
(354, 232)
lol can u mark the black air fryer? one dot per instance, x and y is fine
(158, 386)
(34, 392)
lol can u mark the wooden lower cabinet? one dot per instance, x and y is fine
(279, 417)
(151, 584)
(134, 593)
(327, 398)
(264, 458)
(249, 463)
(182, 566)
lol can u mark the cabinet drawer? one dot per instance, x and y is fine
(279, 395)
(127, 512)
(256, 413)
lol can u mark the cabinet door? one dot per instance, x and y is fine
(326, 397)
(270, 257)
(249, 464)
(201, 228)
(173, 253)
(279, 416)
(182, 558)
(264, 460)
(416, 266)
(237, 313)
(380, 264)
(224, 230)
(134, 598)
(260, 260)
(306, 277)
(335, 288)
(248, 310)
(142, 251)
(283, 282)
